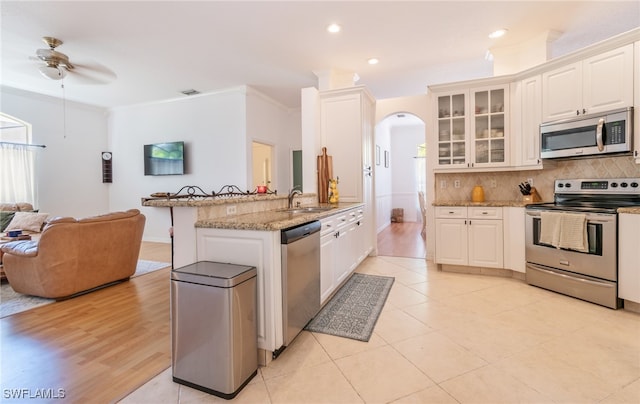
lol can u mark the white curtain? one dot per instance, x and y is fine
(18, 173)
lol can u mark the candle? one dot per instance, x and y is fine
(262, 189)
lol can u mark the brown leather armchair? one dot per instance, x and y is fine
(75, 255)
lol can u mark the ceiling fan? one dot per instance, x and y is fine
(58, 65)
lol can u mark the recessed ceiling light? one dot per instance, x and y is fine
(498, 33)
(373, 61)
(334, 28)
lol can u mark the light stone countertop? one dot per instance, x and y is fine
(199, 202)
(272, 220)
(632, 210)
(497, 204)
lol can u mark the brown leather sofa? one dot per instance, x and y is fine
(75, 255)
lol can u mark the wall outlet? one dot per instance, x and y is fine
(530, 181)
(443, 184)
(494, 183)
(456, 184)
(231, 210)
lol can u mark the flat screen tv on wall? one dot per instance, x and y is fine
(164, 158)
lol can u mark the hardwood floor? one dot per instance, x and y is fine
(93, 348)
(402, 240)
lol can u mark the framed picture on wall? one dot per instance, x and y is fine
(386, 158)
(377, 155)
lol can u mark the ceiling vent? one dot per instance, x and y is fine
(190, 92)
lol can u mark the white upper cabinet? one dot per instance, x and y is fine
(472, 127)
(489, 126)
(452, 128)
(346, 130)
(597, 84)
(527, 117)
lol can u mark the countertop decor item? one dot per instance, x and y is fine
(325, 173)
(529, 193)
(334, 195)
(477, 194)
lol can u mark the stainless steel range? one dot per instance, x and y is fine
(572, 243)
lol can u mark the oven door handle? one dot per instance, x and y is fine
(590, 218)
(599, 130)
(573, 278)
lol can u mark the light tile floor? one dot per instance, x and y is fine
(451, 338)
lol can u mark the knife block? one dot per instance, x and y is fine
(534, 196)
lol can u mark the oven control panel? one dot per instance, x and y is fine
(598, 186)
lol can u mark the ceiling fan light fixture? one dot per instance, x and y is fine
(52, 72)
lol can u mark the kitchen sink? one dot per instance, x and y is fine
(308, 209)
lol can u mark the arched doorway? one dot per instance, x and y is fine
(400, 177)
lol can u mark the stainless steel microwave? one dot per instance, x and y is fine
(588, 135)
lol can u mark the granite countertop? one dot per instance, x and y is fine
(497, 204)
(198, 202)
(271, 220)
(633, 210)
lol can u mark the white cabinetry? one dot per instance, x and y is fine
(527, 117)
(346, 130)
(489, 126)
(452, 128)
(327, 256)
(469, 236)
(472, 127)
(260, 249)
(597, 84)
(342, 247)
(513, 219)
(629, 257)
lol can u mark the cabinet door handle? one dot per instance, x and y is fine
(577, 112)
(584, 111)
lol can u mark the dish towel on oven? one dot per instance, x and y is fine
(573, 232)
(564, 230)
(550, 228)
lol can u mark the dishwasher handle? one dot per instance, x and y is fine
(292, 234)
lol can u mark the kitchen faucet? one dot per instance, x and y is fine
(294, 191)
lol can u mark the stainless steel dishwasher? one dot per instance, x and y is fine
(300, 247)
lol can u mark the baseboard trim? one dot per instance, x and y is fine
(466, 269)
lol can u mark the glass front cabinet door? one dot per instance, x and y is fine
(489, 124)
(452, 130)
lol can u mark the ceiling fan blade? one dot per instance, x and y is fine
(91, 73)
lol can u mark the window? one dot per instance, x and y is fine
(17, 162)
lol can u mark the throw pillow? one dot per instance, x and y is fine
(28, 221)
(5, 219)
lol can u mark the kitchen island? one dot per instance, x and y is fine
(202, 231)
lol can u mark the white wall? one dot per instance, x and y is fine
(217, 129)
(382, 176)
(70, 167)
(272, 123)
(404, 142)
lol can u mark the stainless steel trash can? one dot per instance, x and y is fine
(214, 343)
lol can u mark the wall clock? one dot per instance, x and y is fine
(107, 170)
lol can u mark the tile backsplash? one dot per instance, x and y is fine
(506, 182)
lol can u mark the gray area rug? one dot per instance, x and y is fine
(12, 302)
(353, 311)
